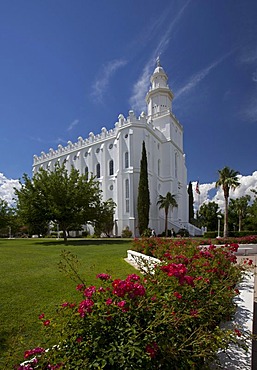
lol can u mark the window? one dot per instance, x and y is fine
(127, 196)
(126, 160)
(111, 168)
(86, 172)
(97, 150)
(98, 170)
(110, 146)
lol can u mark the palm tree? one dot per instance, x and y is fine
(228, 179)
(167, 202)
(241, 207)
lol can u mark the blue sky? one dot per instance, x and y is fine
(68, 67)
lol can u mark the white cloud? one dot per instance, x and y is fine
(72, 124)
(208, 192)
(7, 188)
(137, 99)
(199, 76)
(102, 82)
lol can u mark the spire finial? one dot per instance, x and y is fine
(158, 61)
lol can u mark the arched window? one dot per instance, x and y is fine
(126, 157)
(126, 195)
(98, 170)
(111, 168)
(86, 172)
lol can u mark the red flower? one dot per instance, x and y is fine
(41, 316)
(80, 287)
(152, 349)
(238, 332)
(46, 322)
(177, 295)
(194, 313)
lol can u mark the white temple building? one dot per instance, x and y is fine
(114, 156)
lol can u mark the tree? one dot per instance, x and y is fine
(105, 221)
(228, 179)
(143, 200)
(190, 203)
(207, 216)
(67, 199)
(240, 207)
(167, 202)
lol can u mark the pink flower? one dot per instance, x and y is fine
(34, 351)
(104, 276)
(85, 307)
(121, 304)
(108, 302)
(88, 292)
(46, 322)
(41, 316)
(65, 304)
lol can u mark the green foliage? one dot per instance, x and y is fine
(167, 202)
(105, 221)
(143, 200)
(166, 320)
(126, 233)
(237, 211)
(207, 216)
(68, 199)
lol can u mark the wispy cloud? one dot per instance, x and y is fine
(72, 124)
(137, 99)
(201, 75)
(101, 84)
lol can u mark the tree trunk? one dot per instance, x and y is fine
(225, 234)
(65, 236)
(166, 223)
(239, 222)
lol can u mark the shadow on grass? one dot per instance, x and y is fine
(77, 242)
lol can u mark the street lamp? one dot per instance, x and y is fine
(219, 218)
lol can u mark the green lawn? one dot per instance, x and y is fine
(31, 283)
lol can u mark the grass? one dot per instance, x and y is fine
(31, 283)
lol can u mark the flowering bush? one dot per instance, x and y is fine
(166, 320)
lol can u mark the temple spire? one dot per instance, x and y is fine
(158, 62)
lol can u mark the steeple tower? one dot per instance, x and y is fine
(159, 97)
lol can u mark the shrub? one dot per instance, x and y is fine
(169, 320)
(126, 233)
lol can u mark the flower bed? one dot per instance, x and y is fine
(166, 320)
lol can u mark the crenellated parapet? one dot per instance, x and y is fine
(92, 138)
